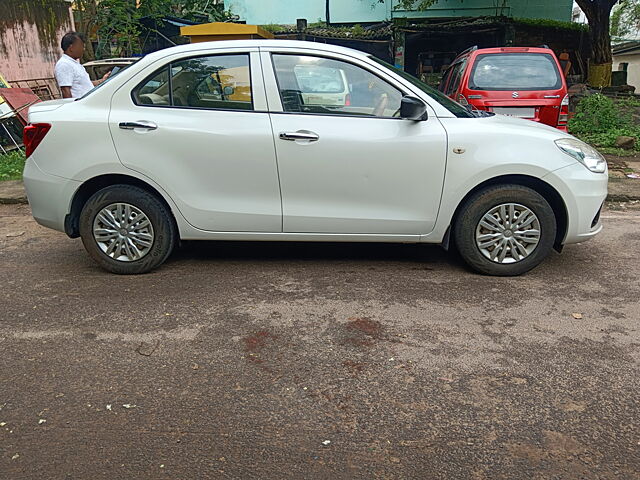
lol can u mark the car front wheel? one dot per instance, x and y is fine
(505, 230)
(127, 230)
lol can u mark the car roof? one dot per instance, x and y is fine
(474, 51)
(256, 43)
(512, 50)
(267, 44)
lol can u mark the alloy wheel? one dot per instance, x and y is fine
(508, 233)
(123, 232)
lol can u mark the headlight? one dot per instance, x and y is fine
(585, 154)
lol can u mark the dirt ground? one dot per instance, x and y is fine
(318, 361)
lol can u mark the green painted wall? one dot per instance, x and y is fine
(558, 10)
(262, 12)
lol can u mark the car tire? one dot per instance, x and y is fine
(145, 231)
(492, 247)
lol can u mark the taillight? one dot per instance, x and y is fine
(563, 117)
(347, 100)
(33, 135)
(462, 100)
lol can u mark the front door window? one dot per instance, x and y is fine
(326, 86)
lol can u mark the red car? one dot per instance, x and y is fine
(523, 82)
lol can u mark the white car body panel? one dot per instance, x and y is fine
(336, 185)
(366, 179)
(219, 180)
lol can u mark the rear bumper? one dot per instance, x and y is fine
(49, 195)
(584, 193)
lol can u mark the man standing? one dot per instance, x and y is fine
(72, 77)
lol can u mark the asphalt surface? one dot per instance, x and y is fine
(274, 361)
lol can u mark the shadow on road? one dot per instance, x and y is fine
(312, 251)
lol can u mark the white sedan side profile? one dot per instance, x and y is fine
(295, 141)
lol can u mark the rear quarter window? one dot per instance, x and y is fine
(515, 71)
(456, 76)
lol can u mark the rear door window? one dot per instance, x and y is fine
(515, 71)
(213, 82)
(208, 82)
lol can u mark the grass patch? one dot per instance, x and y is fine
(12, 165)
(599, 121)
(618, 152)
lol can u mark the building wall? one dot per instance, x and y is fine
(554, 10)
(265, 12)
(633, 70)
(262, 12)
(30, 34)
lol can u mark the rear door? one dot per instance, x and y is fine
(350, 166)
(520, 84)
(198, 127)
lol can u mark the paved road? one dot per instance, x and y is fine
(274, 361)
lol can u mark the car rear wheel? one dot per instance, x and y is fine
(505, 230)
(127, 230)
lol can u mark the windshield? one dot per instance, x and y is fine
(454, 107)
(515, 71)
(109, 78)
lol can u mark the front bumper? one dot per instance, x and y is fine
(584, 193)
(49, 195)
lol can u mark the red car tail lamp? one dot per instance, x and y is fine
(563, 117)
(33, 135)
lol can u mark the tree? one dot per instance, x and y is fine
(598, 13)
(625, 19)
(86, 13)
(117, 22)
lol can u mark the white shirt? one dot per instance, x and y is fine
(69, 73)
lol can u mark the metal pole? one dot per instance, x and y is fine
(10, 136)
(328, 14)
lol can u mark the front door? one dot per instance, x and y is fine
(198, 127)
(348, 164)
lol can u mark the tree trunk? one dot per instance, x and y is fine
(598, 13)
(599, 36)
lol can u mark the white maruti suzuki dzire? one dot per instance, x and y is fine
(294, 141)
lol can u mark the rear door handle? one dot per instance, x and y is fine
(300, 135)
(139, 124)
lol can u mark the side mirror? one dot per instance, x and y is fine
(413, 108)
(228, 91)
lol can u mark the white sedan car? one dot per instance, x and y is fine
(219, 141)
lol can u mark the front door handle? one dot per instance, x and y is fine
(139, 124)
(300, 135)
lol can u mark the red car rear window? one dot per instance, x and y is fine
(515, 71)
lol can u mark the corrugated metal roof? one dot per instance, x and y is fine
(355, 33)
(626, 47)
